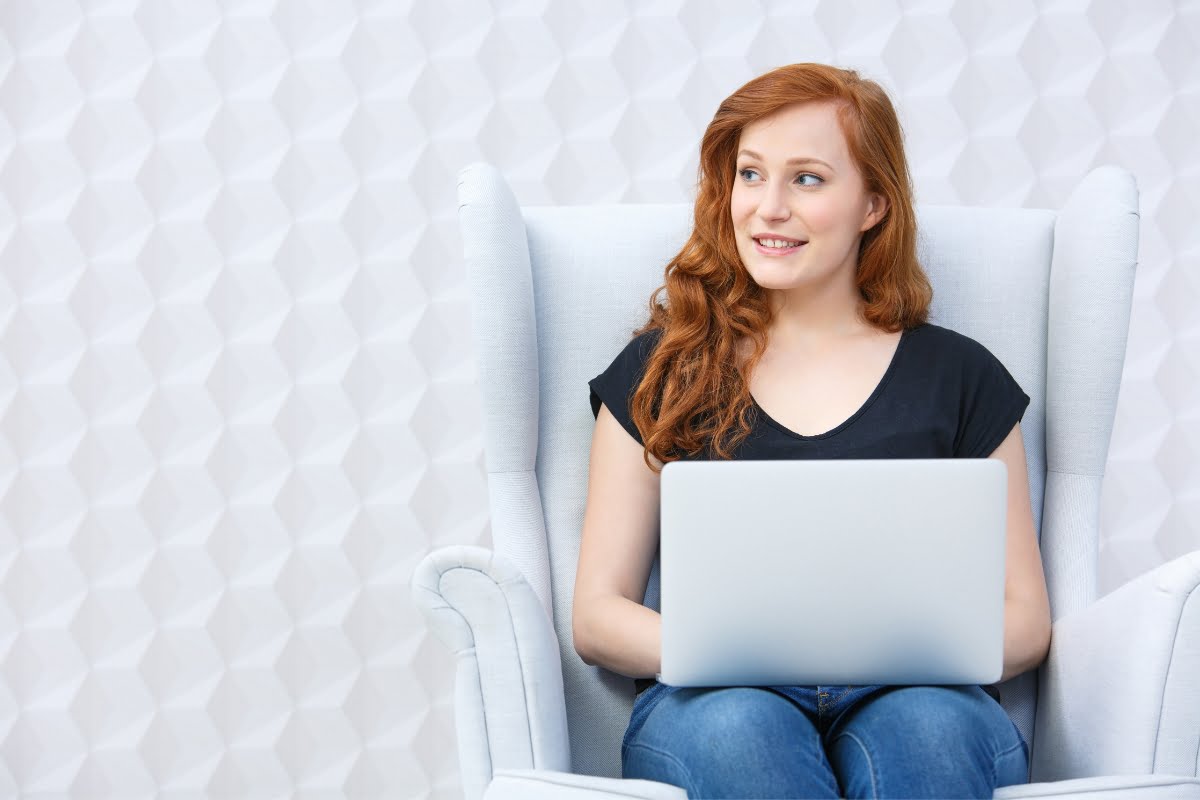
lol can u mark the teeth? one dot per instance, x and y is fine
(776, 243)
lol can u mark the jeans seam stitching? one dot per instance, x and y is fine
(638, 716)
(1010, 749)
(670, 757)
(996, 760)
(867, 755)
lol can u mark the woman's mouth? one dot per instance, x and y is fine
(776, 247)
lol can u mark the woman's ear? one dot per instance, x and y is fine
(876, 210)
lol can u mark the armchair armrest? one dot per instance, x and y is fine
(1120, 690)
(509, 707)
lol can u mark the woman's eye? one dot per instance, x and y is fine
(804, 178)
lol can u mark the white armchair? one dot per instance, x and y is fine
(1114, 712)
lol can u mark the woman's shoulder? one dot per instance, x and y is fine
(982, 396)
(647, 340)
(639, 348)
(948, 342)
(615, 385)
(626, 367)
(958, 358)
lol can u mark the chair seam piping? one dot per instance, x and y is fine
(486, 737)
(1074, 474)
(1166, 678)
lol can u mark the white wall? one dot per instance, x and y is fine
(237, 396)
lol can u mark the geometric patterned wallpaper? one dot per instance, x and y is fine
(238, 402)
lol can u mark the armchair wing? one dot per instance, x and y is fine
(1120, 691)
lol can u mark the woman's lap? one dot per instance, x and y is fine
(809, 741)
(732, 742)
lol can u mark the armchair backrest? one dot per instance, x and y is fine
(557, 291)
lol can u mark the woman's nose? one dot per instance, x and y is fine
(773, 204)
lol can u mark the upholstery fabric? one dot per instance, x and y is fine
(505, 334)
(1091, 290)
(509, 700)
(536, 785)
(1115, 787)
(1121, 687)
(592, 275)
(540, 785)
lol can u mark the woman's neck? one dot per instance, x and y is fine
(805, 323)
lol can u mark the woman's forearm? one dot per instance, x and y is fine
(1026, 637)
(620, 635)
(625, 637)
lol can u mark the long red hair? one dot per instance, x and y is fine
(694, 394)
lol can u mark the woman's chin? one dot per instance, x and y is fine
(775, 279)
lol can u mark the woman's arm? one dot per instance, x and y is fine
(610, 625)
(1026, 601)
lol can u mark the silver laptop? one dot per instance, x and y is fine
(832, 572)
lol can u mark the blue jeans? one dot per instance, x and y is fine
(824, 741)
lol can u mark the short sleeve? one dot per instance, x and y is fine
(615, 386)
(991, 403)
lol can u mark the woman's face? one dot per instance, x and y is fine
(797, 186)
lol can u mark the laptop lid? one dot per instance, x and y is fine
(832, 572)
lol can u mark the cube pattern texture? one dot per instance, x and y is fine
(238, 402)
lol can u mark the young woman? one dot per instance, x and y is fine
(796, 327)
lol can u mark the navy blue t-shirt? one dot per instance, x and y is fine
(944, 395)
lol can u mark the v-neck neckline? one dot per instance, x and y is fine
(879, 387)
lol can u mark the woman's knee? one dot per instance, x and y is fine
(736, 725)
(939, 716)
(727, 717)
(733, 741)
(920, 738)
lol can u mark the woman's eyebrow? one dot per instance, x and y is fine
(790, 161)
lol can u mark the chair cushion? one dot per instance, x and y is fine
(1109, 787)
(529, 784)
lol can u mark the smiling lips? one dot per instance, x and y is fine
(774, 245)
